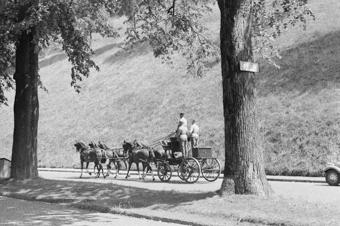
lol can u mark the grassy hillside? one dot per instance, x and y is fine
(136, 96)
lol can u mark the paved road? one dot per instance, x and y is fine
(314, 192)
(174, 184)
(19, 212)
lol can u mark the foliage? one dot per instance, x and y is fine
(271, 19)
(169, 26)
(174, 26)
(177, 26)
(56, 21)
(7, 49)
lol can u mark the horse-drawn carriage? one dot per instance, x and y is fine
(167, 160)
(189, 168)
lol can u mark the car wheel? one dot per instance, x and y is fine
(332, 177)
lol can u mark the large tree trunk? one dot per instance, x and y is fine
(26, 106)
(244, 170)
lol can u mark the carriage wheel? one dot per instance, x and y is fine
(164, 171)
(211, 169)
(190, 170)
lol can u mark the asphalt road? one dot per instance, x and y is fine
(19, 212)
(313, 192)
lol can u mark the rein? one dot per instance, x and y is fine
(156, 142)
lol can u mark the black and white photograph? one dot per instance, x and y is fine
(169, 112)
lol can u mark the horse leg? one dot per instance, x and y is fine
(128, 172)
(99, 167)
(81, 165)
(87, 170)
(94, 168)
(107, 162)
(108, 168)
(145, 170)
(153, 177)
(117, 168)
(102, 167)
(140, 177)
(87, 166)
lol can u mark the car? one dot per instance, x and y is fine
(332, 173)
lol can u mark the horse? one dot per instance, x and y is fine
(115, 156)
(101, 156)
(142, 155)
(88, 155)
(161, 154)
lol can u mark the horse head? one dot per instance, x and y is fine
(93, 144)
(80, 145)
(128, 147)
(102, 145)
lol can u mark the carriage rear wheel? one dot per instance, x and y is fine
(211, 169)
(164, 171)
(190, 170)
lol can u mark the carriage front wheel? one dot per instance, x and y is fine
(164, 171)
(190, 170)
(211, 169)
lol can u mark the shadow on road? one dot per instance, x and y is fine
(106, 195)
(19, 212)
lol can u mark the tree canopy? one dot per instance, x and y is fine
(169, 26)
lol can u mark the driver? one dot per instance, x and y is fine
(183, 138)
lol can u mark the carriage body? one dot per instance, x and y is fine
(188, 168)
(202, 152)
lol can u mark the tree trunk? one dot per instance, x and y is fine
(26, 108)
(244, 170)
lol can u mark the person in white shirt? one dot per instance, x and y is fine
(183, 138)
(183, 120)
(194, 133)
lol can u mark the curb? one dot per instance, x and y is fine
(103, 209)
(296, 179)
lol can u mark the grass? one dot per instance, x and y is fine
(135, 96)
(206, 208)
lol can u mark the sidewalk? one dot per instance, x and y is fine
(269, 177)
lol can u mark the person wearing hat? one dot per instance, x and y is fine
(182, 138)
(194, 133)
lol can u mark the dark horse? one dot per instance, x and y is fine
(142, 155)
(115, 156)
(88, 155)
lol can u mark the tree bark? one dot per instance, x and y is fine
(26, 106)
(244, 170)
